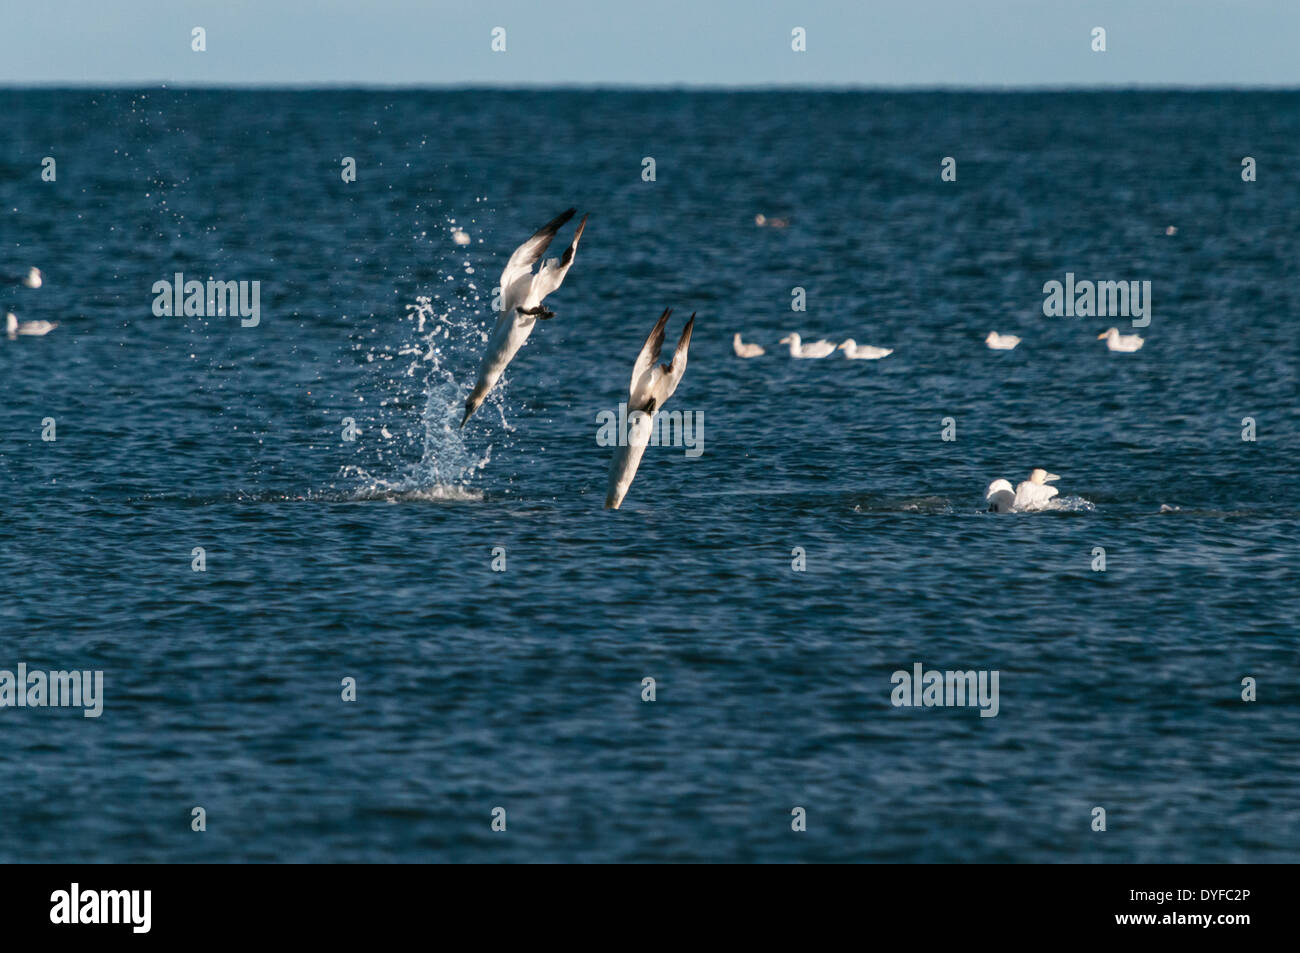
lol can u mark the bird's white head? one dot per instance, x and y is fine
(11, 323)
(790, 339)
(1041, 476)
(1108, 333)
(848, 345)
(993, 336)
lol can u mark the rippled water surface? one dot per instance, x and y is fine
(372, 559)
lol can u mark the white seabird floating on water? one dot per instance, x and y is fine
(1001, 496)
(1120, 342)
(522, 293)
(33, 278)
(745, 350)
(652, 384)
(811, 349)
(14, 327)
(1032, 494)
(863, 352)
(1001, 342)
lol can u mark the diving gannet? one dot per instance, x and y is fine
(864, 352)
(652, 384)
(745, 350)
(521, 303)
(1120, 342)
(811, 349)
(1001, 342)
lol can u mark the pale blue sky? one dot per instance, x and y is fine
(654, 42)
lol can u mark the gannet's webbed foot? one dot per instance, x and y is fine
(537, 312)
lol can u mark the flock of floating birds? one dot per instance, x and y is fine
(813, 349)
(14, 327)
(522, 294)
(859, 352)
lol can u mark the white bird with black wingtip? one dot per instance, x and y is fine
(652, 384)
(522, 293)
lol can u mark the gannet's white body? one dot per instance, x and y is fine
(652, 384)
(522, 293)
(1034, 493)
(1001, 497)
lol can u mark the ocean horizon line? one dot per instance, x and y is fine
(926, 88)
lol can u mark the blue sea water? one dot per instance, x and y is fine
(373, 559)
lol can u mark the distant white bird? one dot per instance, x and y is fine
(1001, 342)
(762, 220)
(652, 384)
(33, 278)
(745, 350)
(811, 349)
(1120, 342)
(1001, 496)
(522, 293)
(1034, 493)
(865, 352)
(459, 236)
(14, 327)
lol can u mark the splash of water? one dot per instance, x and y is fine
(427, 458)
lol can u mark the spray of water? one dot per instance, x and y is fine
(421, 452)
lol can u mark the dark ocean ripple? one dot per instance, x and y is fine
(372, 559)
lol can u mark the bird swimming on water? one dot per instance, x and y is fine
(1031, 494)
(522, 293)
(863, 352)
(1001, 497)
(745, 350)
(1034, 492)
(14, 327)
(1001, 342)
(1120, 342)
(811, 349)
